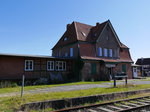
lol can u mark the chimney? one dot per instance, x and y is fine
(97, 23)
(68, 25)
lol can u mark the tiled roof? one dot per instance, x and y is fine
(31, 56)
(143, 61)
(105, 59)
(123, 45)
(80, 32)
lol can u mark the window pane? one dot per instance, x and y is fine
(28, 65)
(71, 52)
(105, 52)
(110, 52)
(99, 51)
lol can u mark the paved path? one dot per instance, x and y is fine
(75, 87)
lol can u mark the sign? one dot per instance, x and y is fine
(110, 65)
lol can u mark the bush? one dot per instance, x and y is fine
(41, 81)
(7, 84)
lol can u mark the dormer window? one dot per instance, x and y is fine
(83, 34)
(66, 38)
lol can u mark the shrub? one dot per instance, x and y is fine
(7, 84)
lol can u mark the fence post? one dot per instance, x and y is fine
(114, 81)
(126, 80)
(22, 88)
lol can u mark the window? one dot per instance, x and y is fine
(105, 52)
(50, 65)
(60, 65)
(71, 52)
(110, 52)
(66, 38)
(83, 34)
(99, 51)
(28, 65)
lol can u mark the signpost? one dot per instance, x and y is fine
(121, 75)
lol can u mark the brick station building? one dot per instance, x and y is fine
(84, 52)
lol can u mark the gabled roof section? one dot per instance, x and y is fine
(82, 32)
(70, 34)
(108, 23)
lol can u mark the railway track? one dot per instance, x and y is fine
(128, 105)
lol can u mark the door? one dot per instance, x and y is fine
(135, 74)
(93, 68)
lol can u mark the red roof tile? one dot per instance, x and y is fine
(105, 59)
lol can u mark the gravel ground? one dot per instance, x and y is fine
(76, 87)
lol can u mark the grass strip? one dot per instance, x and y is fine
(10, 104)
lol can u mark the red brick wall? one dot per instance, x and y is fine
(66, 49)
(11, 67)
(118, 68)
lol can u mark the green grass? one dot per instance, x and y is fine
(18, 89)
(9, 104)
(12, 103)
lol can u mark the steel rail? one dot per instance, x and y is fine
(74, 109)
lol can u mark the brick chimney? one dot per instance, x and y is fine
(97, 23)
(68, 26)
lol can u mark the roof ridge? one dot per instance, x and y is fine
(83, 23)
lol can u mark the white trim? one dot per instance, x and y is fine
(29, 69)
(51, 67)
(57, 65)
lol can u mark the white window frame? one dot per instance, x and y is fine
(105, 52)
(49, 63)
(110, 53)
(29, 61)
(99, 51)
(71, 52)
(63, 65)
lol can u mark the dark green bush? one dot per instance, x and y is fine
(7, 84)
